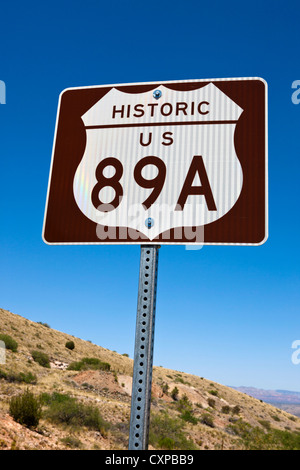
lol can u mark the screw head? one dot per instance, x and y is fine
(149, 222)
(157, 94)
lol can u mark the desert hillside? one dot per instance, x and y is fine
(83, 392)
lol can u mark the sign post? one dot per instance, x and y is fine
(160, 163)
(143, 350)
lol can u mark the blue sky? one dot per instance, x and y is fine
(226, 313)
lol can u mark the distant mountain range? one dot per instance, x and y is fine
(271, 396)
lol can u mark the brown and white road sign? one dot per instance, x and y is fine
(160, 163)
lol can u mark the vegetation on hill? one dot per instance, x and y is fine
(54, 396)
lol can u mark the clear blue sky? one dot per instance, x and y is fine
(226, 313)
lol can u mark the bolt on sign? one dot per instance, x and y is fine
(181, 162)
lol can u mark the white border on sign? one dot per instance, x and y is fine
(157, 242)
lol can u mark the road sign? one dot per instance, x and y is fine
(160, 163)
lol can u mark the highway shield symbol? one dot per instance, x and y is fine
(159, 160)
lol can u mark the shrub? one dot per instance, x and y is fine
(166, 443)
(55, 397)
(10, 343)
(255, 438)
(72, 442)
(41, 358)
(89, 363)
(184, 404)
(215, 393)
(236, 410)
(71, 412)
(211, 402)
(225, 409)
(174, 393)
(44, 324)
(25, 377)
(75, 366)
(186, 408)
(25, 409)
(93, 361)
(207, 419)
(70, 345)
(265, 424)
(275, 417)
(180, 380)
(166, 433)
(188, 416)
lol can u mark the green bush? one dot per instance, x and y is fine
(236, 410)
(166, 443)
(25, 409)
(174, 393)
(166, 433)
(255, 438)
(72, 442)
(211, 402)
(70, 411)
(225, 409)
(41, 358)
(10, 343)
(88, 363)
(75, 366)
(188, 416)
(185, 406)
(25, 377)
(275, 417)
(44, 324)
(266, 424)
(180, 380)
(55, 397)
(70, 345)
(95, 362)
(207, 419)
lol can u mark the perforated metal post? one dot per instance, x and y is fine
(143, 350)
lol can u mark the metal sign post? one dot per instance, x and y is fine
(143, 351)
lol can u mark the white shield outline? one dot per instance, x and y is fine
(210, 135)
